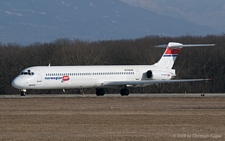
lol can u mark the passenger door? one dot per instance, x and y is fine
(39, 78)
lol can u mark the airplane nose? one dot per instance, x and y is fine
(15, 83)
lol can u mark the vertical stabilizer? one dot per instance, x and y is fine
(169, 56)
(172, 49)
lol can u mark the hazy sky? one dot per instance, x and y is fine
(203, 12)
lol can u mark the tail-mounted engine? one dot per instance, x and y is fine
(149, 74)
(159, 75)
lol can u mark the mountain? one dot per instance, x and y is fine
(201, 12)
(28, 21)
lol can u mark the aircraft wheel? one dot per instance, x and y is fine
(100, 92)
(124, 92)
(22, 93)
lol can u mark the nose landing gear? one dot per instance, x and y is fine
(23, 92)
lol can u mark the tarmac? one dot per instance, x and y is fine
(115, 95)
(173, 116)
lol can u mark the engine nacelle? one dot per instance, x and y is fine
(158, 75)
(149, 74)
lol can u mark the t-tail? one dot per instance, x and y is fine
(172, 50)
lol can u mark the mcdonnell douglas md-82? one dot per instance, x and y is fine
(101, 77)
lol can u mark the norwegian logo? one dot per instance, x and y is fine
(65, 78)
(165, 75)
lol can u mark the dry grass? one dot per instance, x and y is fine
(112, 118)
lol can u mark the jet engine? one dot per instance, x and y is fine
(158, 75)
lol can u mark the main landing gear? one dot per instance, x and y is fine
(123, 92)
(23, 92)
(100, 92)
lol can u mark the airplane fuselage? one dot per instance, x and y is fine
(70, 77)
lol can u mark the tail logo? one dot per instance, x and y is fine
(171, 52)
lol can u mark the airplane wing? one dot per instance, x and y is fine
(148, 82)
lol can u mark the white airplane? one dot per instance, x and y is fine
(101, 77)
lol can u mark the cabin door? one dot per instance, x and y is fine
(137, 75)
(39, 78)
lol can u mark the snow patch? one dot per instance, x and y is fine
(30, 24)
(116, 11)
(42, 13)
(66, 4)
(32, 11)
(61, 18)
(10, 13)
(91, 4)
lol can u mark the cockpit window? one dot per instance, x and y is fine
(27, 73)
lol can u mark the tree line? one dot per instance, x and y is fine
(199, 62)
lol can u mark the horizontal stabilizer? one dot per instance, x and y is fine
(187, 45)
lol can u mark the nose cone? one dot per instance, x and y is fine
(16, 83)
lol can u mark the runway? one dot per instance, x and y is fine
(113, 117)
(194, 116)
(115, 95)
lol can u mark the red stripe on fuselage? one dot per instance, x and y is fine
(172, 51)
